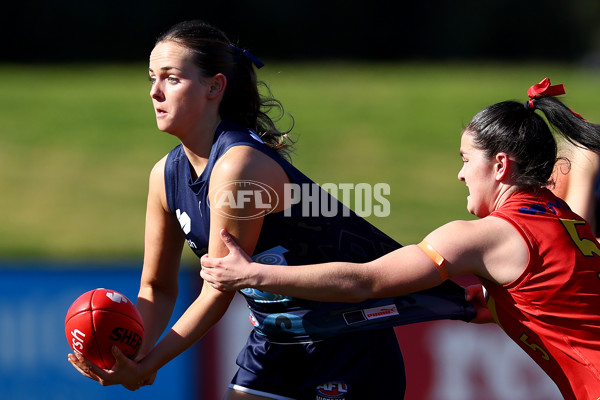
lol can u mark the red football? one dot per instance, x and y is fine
(100, 319)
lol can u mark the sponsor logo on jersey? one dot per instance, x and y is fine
(184, 220)
(332, 390)
(381, 312)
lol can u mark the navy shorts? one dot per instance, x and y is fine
(354, 366)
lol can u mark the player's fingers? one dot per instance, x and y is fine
(84, 367)
(120, 358)
(470, 293)
(477, 296)
(475, 293)
(230, 242)
(233, 247)
(78, 366)
(206, 276)
(92, 369)
(205, 262)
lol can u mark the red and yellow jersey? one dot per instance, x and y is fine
(552, 310)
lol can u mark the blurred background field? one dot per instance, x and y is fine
(78, 142)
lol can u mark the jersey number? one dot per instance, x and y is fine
(587, 247)
(534, 347)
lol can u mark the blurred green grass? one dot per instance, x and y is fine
(77, 143)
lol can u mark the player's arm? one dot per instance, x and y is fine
(335, 281)
(239, 163)
(163, 244)
(490, 248)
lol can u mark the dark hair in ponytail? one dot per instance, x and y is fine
(242, 102)
(519, 131)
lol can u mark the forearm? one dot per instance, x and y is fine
(195, 322)
(156, 308)
(403, 271)
(336, 281)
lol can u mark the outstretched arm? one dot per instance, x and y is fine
(489, 247)
(387, 276)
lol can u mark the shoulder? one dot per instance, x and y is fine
(158, 170)
(481, 227)
(489, 247)
(469, 236)
(230, 135)
(172, 156)
(156, 185)
(245, 162)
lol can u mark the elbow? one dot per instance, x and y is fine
(367, 285)
(361, 290)
(357, 299)
(349, 293)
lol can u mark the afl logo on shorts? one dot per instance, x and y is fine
(253, 320)
(332, 390)
(230, 197)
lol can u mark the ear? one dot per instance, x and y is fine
(216, 86)
(503, 166)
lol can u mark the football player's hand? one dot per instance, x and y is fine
(233, 272)
(476, 295)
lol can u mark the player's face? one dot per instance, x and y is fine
(478, 174)
(178, 90)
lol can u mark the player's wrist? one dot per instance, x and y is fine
(145, 369)
(257, 275)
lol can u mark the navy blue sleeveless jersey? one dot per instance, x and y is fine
(291, 238)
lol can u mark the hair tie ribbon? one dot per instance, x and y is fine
(544, 88)
(257, 63)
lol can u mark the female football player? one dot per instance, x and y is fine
(538, 260)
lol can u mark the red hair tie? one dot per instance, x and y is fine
(545, 89)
